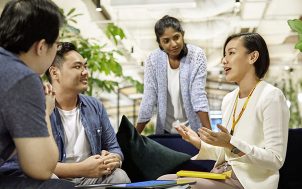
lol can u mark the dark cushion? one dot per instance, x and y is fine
(145, 159)
(290, 173)
(175, 142)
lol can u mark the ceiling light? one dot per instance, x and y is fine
(237, 6)
(98, 6)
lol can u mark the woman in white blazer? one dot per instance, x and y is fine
(252, 140)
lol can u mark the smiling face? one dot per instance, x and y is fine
(172, 42)
(72, 74)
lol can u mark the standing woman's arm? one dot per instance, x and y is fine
(149, 96)
(199, 96)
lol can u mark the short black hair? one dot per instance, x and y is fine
(254, 42)
(167, 22)
(64, 47)
(23, 22)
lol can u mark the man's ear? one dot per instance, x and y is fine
(253, 57)
(53, 71)
(40, 47)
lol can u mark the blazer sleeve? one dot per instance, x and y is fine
(150, 92)
(207, 152)
(275, 115)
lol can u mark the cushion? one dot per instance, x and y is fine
(145, 159)
(175, 142)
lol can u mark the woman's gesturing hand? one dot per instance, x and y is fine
(188, 135)
(221, 138)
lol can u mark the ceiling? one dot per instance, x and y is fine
(207, 23)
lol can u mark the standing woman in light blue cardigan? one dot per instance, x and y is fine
(174, 81)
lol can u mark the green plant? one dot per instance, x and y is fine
(296, 25)
(100, 63)
(290, 90)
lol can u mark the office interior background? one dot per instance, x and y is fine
(207, 23)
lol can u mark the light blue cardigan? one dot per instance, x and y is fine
(192, 80)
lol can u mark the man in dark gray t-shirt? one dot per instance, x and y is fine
(28, 43)
(22, 104)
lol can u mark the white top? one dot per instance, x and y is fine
(77, 145)
(261, 134)
(175, 109)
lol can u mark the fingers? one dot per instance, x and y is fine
(104, 170)
(97, 156)
(104, 153)
(222, 128)
(209, 132)
(111, 166)
(111, 159)
(180, 130)
(184, 127)
(48, 90)
(207, 135)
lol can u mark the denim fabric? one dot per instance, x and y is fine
(98, 128)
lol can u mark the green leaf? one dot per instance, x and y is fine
(295, 25)
(99, 62)
(73, 20)
(70, 11)
(76, 15)
(299, 46)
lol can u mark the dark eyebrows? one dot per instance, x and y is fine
(229, 49)
(175, 35)
(80, 63)
(85, 63)
(232, 48)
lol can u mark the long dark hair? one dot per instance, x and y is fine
(167, 22)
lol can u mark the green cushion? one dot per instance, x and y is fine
(145, 159)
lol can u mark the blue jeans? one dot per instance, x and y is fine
(8, 182)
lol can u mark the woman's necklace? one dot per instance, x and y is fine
(235, 121)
